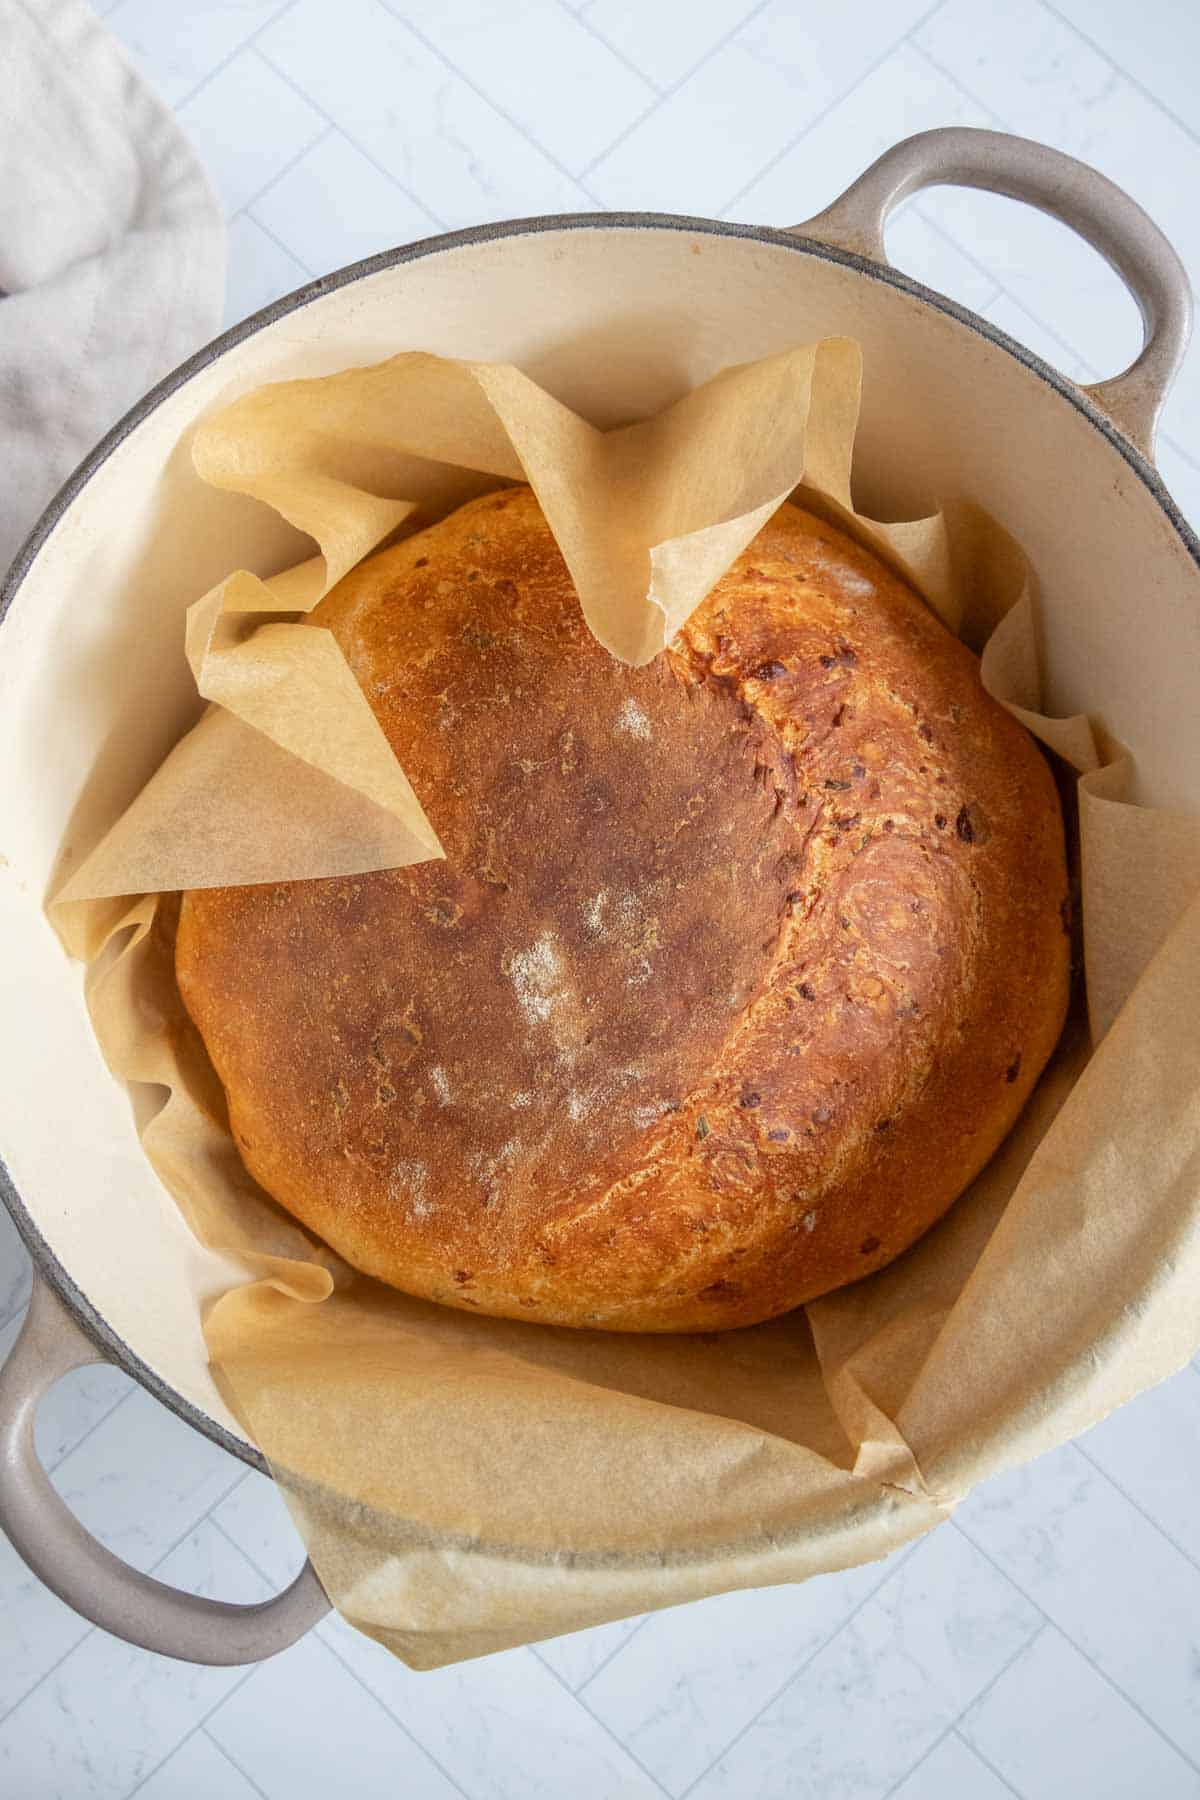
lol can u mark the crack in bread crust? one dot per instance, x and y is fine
(738, 969)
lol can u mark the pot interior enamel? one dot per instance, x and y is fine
(615, 316)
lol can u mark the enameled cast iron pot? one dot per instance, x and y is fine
(93, 689)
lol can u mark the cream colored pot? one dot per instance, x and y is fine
(597, 308)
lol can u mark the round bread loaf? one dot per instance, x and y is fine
(737, 970)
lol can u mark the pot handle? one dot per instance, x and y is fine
(1102, 213)
(89, 1578)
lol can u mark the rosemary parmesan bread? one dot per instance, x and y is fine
(737, 970)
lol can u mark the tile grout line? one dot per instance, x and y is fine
(1112, 1481)
(598, 1721)
(948, 76)
(952, 1727)
(426, 1752)
(52, 1467)
(219, 68)
(431, 46)
(999, 291)
(286, 168)
(1068, 349)
(357, 143)
(673, 88)
(309, 273)
(1159, 104)
(1193, 462)
(1192, 459)
(245, 1554)
(422, 1747)
(21, 1306)
(90, 1630)
(967, 255)
(1002, 124)
(1002, 292)
(1108, 1680)
(352, 1672)
(792, 143)
(603, 1664)
(192, 1732)
(889, 1574)
(987, 1762)
(230, 1758)
(613, 49)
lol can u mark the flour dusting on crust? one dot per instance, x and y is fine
(536, 975)
(408, 1183)
(633, 720)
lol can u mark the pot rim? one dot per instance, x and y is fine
(46, 1263)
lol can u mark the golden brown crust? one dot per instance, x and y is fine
(737, 970)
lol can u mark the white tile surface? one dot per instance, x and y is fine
(1051, 1725)
(504, 1727)
(1038, 76)
(335, 206)
(708, 141)
(74, 1405)
(1041, 266)
(1182, 477)
(255, 1518)
(904, 1659)
(1150, 1449)
(38, 1632)
(178, 47)
(917, 246)
(426, 126)
(14, 1271)
(38, 1629)
(694, 1676)
(248, 125)
(1105, 1576)
(901, 95)
(108, 1714)
(1020, 324)
(302, 1724)
(260, 269)
(665, 42)
(501, 50)
(1156, 45)
(198, 1770)
(952, 1771)
(1048, 1643)
(580, 1656)
(140, 1480)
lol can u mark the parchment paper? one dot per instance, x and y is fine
(465, 1484)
